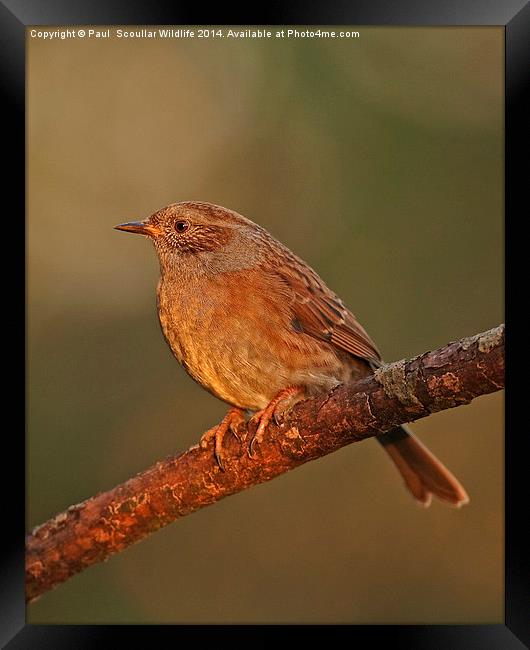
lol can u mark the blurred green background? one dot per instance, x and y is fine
(379, 161)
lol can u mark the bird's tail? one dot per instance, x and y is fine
(423, 473)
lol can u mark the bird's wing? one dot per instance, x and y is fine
(317, 311)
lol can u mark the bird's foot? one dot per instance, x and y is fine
(275, 409)
(230, 422)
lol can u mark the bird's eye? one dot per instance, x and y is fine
(181, 226)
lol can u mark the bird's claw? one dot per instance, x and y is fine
(233, 431)
(219, 459)
(275, 411)
(229, 423)
(255, 440)
(255, 421)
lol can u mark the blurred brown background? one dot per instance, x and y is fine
(379, 161)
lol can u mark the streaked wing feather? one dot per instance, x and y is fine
(322, 314)
(351, 341)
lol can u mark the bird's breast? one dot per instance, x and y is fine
(208, 326)
(233, 334)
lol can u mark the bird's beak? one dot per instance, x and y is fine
(140, 227)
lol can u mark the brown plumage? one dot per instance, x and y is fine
(257, 327)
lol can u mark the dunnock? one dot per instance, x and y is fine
(257, 327)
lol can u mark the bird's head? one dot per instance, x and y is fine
(194, 231)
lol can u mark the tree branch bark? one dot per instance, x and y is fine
(91, 531)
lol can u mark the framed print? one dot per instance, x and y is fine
(328, 193)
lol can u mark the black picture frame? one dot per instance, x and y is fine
(514, 15)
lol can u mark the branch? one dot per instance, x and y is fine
(405, 391)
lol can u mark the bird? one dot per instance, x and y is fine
(258, 328)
